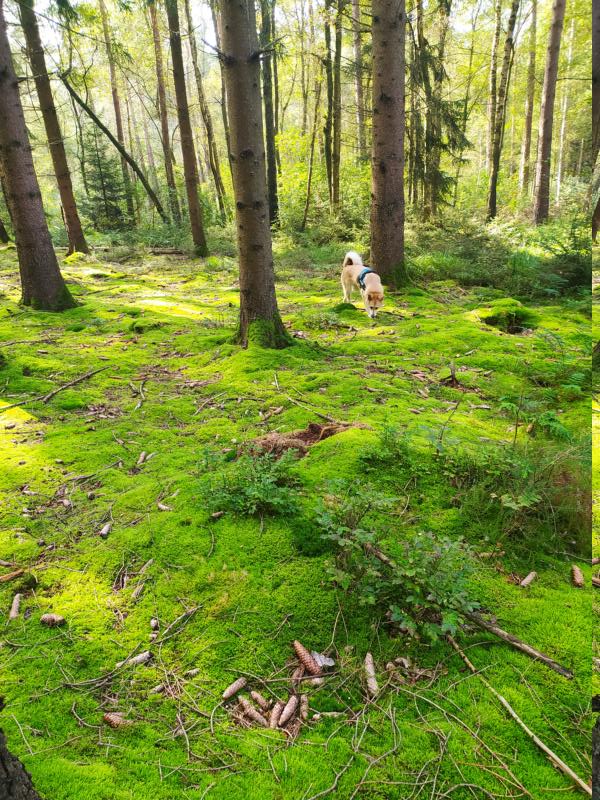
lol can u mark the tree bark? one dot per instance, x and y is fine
(4, 237)
(116, 105)
(224, 116)
(164, 117)
(595, 81)
(122, 151)
(387, 182)
(35, 53)
(500, 115)
(529, 103)
(361, 137)
(42, 284)
(562, 137)
(542, 177)
(259, 316)
(267, 85)
(336, 151)
(188, 152)
(15, 781)
(328, 128)
(213, 152)
(493, 83)
(311, 155)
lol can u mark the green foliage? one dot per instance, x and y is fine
(103, 203)
(261, 485)
(568, 244)
(427, 589)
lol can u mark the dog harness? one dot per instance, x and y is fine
(361, 277)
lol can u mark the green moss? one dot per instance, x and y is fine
(509, 315)
(262, 583)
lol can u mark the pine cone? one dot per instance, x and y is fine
(252, 713)
(289, 710)
(234, 688)
(275, 714)
(52, 620)
(116, 720)
(305, 658)
(577, 576)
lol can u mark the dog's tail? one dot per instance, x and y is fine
(352, 258)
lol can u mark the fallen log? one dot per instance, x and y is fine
(558, 763)
(528, 579)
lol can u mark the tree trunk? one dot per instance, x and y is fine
(387, 182)
(42, 284)
(213, 152)
(188, 153)
(328, 128)
(122, 151)
(358, 81)
(35, 52)
(4, 237)
(465, 114)
(266, 37)
(336, 151)
(562, 137)
(529, 103)
(500, 114)
(15, 781)
(311, 155)
(152, 177)
(493, 83)
(595, 81)
(433, 153)
(164, 118)
(224, 116)
(542, 177)
(259, 316)
(116, 105)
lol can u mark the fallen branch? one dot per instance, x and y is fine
(564, 768)
(11, 575)
(44, 398)
(478, 620)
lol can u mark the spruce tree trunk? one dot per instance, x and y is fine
(213, 152)
(112, 70)
(595, 81)
(224, 117)
(529, 103)
(266, 38)
(4, 237)
(361, 137)
(259, 316)
(500, 114)
(433, 154)
(164, 118)
(188, 152)
(311, 155)
(387, 182)
(564, 111)
(328, 128)
(336, 151)
(42, 284)
(493, 81)
(542, 176)
(15, 781)
(35, 53)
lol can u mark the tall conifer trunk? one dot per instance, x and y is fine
(524, 168)
(164, 117)
(114, 87)
(188, 151)
(259, 315)
(42, 284)
(267, 62)
(387, 183)
(542, 176)
(35, 52)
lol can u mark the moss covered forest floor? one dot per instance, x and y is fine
(505, 469)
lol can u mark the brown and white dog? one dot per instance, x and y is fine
(356, 275)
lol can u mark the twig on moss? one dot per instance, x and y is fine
(44, 398)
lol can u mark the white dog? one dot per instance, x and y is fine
(355, 275)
